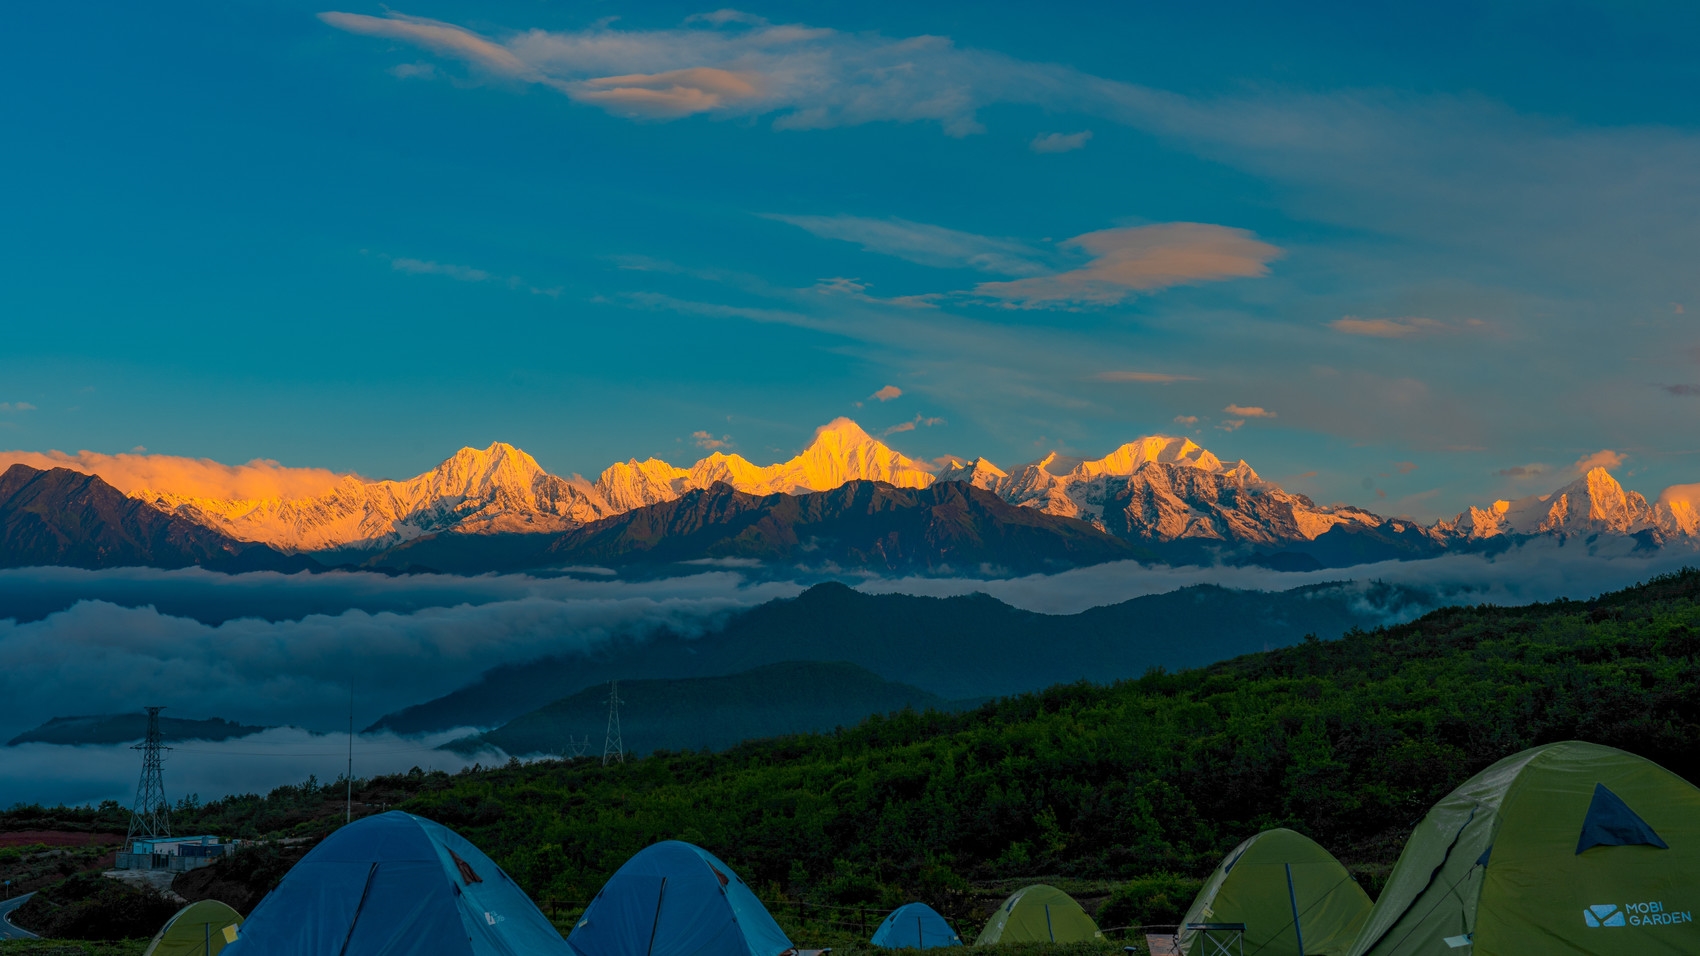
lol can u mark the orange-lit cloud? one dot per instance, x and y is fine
(1400, 328)
(195, 477)
(1186, 419)
(887, 393)
(1405, 467)
(1605, 458)
(667, 95)
(438, 37)
(1141, 259)
(707, 442)
(1161, 378)
(1248, 411)
(1689, 494)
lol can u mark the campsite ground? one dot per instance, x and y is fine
(66, 947)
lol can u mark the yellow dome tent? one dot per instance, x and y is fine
(199, 929)
(1038, 914)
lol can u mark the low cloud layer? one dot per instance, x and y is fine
(98, 657)
(1536, 571)
(51, 774)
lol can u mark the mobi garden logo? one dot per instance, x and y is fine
(1634, 914)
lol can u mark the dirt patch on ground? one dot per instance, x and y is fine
(57, 838)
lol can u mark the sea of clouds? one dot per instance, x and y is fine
(285, 650)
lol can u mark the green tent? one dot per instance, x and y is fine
(1285, 889)
(1569, 848)
(1038, 913)
(197, 930)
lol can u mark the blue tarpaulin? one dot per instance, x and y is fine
(675, 899)
(397, 885)
(915, 926)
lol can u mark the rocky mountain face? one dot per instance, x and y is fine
(66, 518)
(499, 489)
(1159, 492)
(1593, 504)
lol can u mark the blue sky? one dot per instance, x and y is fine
(1447, 252)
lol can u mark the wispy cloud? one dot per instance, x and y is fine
(919, 421)
(1186, 419)
(1126, 262)
(1060, 142)
(925, 244)
(1162, 378)
(1400, 328)
(1523, 471)
(427, 267)
(887, 393)
(16, 407)
(707, 442)
(1683, 389)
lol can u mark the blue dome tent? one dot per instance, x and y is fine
(397, 885)
(915, 926)
(675, 899)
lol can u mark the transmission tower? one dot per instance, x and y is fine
(613, 747)
(576, 747)
(150, 818)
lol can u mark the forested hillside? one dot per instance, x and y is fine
(1348, 741)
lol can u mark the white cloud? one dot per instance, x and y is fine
(707, 442)
(16, 407)
(1060, 142)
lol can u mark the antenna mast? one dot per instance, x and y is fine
(613, 746)
(348, 798)
(150, 817)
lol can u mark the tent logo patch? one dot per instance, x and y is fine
(1603, 914)
(1651, 913)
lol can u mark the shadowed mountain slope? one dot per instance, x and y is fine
(956, 648)
(950, 526)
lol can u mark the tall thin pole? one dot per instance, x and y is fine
(1293, 898)
(348, 800)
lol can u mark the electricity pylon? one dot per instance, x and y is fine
(613, 746)
(150, 818)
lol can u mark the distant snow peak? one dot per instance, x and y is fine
(1593, 504)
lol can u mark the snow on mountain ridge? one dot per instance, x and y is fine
(1157, 488)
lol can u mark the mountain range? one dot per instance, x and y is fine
(848, 500)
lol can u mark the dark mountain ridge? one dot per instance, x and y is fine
(957, 647)
(949, 527)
